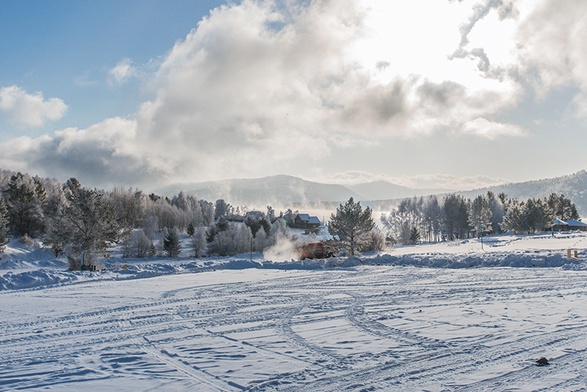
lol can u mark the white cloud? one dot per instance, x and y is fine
(102, 154)
(551, 42)
(30, 110)
(491, 129)
(122, 71)
(256, 86)
(255, 80)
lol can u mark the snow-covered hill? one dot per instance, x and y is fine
(286, 191)
(573, 186)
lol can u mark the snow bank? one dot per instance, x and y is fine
(27, 267)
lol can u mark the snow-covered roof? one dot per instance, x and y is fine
(576, 223)
(558, 222)
(314, 220)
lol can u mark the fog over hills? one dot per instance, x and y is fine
(277, 191)
(287, 191)
(283, 190)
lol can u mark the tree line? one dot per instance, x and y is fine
(83, 223)
(454, 217)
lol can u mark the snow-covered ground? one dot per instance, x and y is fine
(460, 316)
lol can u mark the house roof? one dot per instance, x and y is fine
(314, 220)
(576, 223)
(558, 222)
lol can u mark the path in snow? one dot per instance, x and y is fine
(369, 328)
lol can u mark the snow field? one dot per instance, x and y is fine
(390, 321)
(365, 328)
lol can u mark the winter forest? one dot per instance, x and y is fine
(82, 223)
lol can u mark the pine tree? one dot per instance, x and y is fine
(512, 220)
(480, 215)
(24, 210)
(171, 243)
(351, 224)
(4, 237)
(414, 235)
(456, 216)
(87, 225)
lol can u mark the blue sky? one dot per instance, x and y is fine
(65, 49)
(430, 93)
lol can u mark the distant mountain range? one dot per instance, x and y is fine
(282, 190)
(288, 191)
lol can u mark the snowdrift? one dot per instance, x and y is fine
(27, 267)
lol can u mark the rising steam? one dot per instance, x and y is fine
(284, 250)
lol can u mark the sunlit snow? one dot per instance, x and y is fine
(461, 316)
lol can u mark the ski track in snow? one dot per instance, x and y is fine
(360, 329)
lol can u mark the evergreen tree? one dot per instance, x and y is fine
(86, 227)
(560, 207)
(456, 217)
(171, 243)
(480, 215)
(534, 216)
(191, 229)
(432, 218)
(221, 209)
(513, 220)
(24, 209)
(4, 237)
(351, 224)
(414, 235)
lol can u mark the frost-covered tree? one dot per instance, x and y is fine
(199, 242)
(128, 205)
(138, 245)
(399, 226)
(171, 244)
(376, 240)
(480, 215)
(87, 225)
(351, 224)
(401, 221)
(560, 207)
(513, 219)
(432, 219)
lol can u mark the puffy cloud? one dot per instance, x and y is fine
(103, 154)
(491, 129)
(122, 71)
(257, 85)
(259, 80)
(551, 41)
(30, 110)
